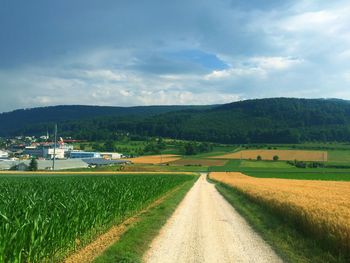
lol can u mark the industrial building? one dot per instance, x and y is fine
(4, 155)
(61, 164)
(33, 151)
(44, 164)
(104, 162)
(111, 155)
(82, 155)
(48, 153)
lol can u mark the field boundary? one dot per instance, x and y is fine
(283, 155)
(100, 244)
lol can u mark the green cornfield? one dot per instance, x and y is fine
(42, 218)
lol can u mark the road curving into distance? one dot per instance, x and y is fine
(206, 228)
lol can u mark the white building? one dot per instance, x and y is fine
(111, 155)
(4, 155)
(48, 153)
(66, 147)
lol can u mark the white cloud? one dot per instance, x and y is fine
(275, 63)
(104, 75)
(256, 67)
(235, 73)
(41, 87)
(309, 21)
(163, 97)
(347, 76)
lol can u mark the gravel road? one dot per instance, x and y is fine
(205, 228)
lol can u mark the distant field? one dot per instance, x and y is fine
(286, 155)
(217, 150)
(231, 165)
(264, 164)
(201, 162)
(270, 169)
(321, 208)
(163, 168)
(238, 165)
(142, 168)
(155, 159)
(339, 156)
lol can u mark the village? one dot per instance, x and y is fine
(17, 153)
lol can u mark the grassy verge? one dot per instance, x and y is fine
(281, 233)
(135, 242)
(269, 169)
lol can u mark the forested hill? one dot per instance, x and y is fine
(278, 120)
(13, 123)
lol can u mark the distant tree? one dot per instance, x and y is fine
(109, 146)
(161, 144)
(276, 158)
(205, 147)
(82, 147)
(189, 149)
(152, 148)
(258, 158)
(33, 165)
(96, 147)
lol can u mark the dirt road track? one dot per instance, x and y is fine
(205, 228)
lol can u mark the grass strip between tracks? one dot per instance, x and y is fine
(280, 233)
(136, 240)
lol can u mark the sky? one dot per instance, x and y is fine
(156, 52)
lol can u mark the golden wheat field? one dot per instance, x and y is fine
(322, 207)
(155, 159)
(284, 155)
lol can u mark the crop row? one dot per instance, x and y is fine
(42, 218)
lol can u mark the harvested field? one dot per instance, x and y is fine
(155, 159)
(202, 162)
(284, 155)
(321, 208)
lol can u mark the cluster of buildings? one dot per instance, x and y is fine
(17, 156)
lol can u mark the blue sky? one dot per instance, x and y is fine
(156, 52)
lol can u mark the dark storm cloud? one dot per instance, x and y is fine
(169, 52)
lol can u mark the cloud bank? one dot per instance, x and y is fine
(182, 52)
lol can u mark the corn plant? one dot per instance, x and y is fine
(44, 217)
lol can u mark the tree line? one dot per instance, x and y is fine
(279, 120)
